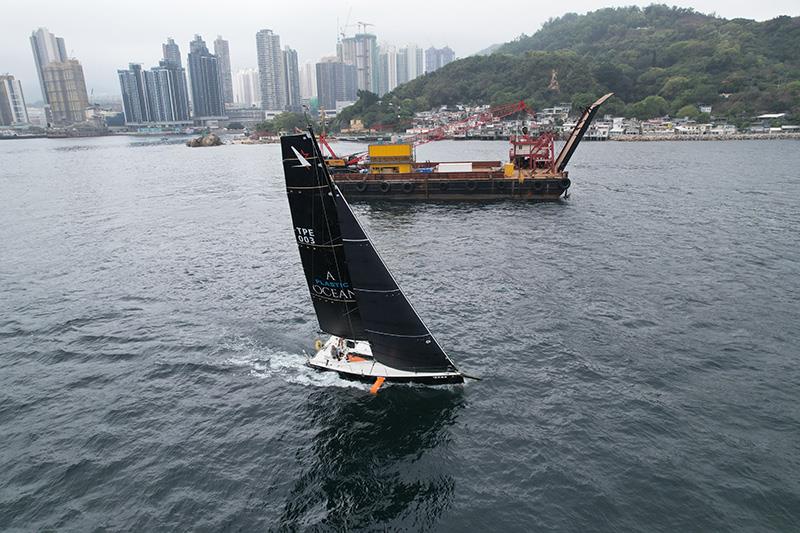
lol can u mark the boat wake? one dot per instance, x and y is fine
(264, 363)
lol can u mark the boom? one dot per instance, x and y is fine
(577, 132)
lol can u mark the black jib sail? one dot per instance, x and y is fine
(398, 336)
(316, 229)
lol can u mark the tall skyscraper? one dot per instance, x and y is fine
(361, 51)
(172, 52)
(12, 102)
(47, 48)
(222, 51)
(291, 76)
(134, 94)
(402, 66)
(414, 61)
(336, 82)
(388, 69)
(60, 78)
(271, 71)
(308, 81)
(247, 87)
(207, 99)
(168, 93)
(159, 95)
(66, 91)
(436, 58)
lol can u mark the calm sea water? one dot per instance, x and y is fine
(638, 346)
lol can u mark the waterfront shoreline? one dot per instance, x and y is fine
(707, 137)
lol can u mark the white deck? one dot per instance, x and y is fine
(358, 362)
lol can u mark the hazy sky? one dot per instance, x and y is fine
(107, 35)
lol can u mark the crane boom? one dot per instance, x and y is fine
(577, 132)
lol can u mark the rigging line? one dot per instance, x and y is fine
(321, 245)
(397, 334)
(376, 290)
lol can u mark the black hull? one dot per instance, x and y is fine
(535, 190)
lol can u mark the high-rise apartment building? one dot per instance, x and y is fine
(402, 66)
(361, 51)
(271, 71)
(308, 81)
(247, 87)
(12, 102)
(157, 96)
(414, 61)
(172, 52)
(291, 76)
(168, 93)
(66, 91)
(336, 82)
(388, 69)
(207, 97)
(47, 48)
(135, 103)
(436, 58)
(222, 51)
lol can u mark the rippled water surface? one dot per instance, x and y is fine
(638, 345)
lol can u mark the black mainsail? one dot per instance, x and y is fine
(316, 229)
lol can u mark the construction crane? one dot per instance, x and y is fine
(362, 26)
(343, 29)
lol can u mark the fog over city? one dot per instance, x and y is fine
(107, 36)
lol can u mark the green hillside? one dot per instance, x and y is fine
(658, 60)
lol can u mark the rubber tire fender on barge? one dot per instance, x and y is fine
(537, 185)
(565, 183)
(361, 186)
(471, 185)
(385, 186)
(443, 185)
(408, 186)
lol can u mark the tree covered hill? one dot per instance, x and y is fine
(658, 60)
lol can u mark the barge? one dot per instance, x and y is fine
(533, 171)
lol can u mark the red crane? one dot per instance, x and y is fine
(471, 122)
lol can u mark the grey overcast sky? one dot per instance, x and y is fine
(107, 35)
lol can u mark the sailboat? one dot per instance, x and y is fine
(375, 333)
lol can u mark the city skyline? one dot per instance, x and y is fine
(127, 41)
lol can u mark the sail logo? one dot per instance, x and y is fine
(332, 288)
(303, 161)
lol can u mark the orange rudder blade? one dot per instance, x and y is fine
(377, 385)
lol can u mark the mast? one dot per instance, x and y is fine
(577, 133)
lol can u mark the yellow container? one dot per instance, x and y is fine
(402, 168)
(395, 151)
(508, 170)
